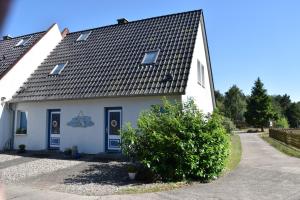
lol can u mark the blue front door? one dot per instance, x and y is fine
(54, 129)
(112, 127)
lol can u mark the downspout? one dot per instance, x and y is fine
(13, 110)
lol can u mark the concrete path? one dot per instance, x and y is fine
(263, 174)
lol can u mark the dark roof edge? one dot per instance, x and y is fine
(211, 80)
(95, 97)
(20, 36)
(16, 61)
(129, 22)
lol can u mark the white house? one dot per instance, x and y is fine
(96, 80)
(20, 56)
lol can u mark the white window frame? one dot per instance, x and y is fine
(83, 36)
(199, 73)
(56, 66)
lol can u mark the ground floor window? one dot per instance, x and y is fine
(21, 122)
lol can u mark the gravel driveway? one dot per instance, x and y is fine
(263, 174)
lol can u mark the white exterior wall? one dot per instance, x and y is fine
(201, 95)
(19, 73)
(89, 139)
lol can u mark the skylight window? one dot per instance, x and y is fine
(23, 42)
(83, 36)
(150, 57)
(58, 68)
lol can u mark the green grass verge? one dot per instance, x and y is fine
(280, 146)
(154, 187)
(235, 154)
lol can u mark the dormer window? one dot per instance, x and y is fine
(150, 57)
(83, 36)
(23, 42)
(58, 68)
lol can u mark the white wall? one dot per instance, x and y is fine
(88, 140)
(201, 95)
(20, 72)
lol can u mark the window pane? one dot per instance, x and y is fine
(150, 57)
(199, 72)
(202, 74)
(58, 68)
(23, 120)
(83, 36)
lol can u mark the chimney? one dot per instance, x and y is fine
(7, 37)
(65, 32)
(122, 21)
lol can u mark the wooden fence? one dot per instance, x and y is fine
(288, 136)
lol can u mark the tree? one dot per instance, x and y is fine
(293, 115)
(259, 107)
(235, 104)
(219, 101)
(281, 103)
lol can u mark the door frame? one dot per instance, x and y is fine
(49, 111)
(106, 109)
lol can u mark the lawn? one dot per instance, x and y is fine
(280, 146)
(235, 153)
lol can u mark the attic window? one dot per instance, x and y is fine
(23, 42)
(150, 57)
(58, 68)
(83, 36)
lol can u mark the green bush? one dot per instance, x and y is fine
(228, 125)
(22, 148)
(176, 141)
(282, 122)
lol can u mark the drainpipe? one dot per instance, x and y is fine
(13, 110)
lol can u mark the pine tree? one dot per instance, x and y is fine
(259, 107)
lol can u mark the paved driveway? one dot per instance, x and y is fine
(264, 173)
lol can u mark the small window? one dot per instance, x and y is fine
(23, 42)
(202, 75)
(83, 36)
(58, 68)
(22, 123)
(199, 74)
(150, 57)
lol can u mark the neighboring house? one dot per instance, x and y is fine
(19, 57)
(97, 80)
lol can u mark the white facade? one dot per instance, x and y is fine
(19, 73)
(88, 140)
(200, 93)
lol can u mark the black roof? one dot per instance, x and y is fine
(10, 53)
(109, 62)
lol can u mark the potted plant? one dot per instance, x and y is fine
(132, 170)
(22, 148)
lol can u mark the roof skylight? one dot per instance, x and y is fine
(23, 41)
(58, 68)
(150, 57)
(83, 36)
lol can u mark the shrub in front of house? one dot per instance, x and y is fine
(228, 125)
(22, 148)
(176, 141)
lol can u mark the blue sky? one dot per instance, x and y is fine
(247, 39)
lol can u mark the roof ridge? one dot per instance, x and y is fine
(29, 34)
(129, 22)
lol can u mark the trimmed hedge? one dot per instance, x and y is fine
(176, 141)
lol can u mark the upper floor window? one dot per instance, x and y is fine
(58, 68)
(200, 74)
(150, 57)
(23, 41)
(83, 36)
